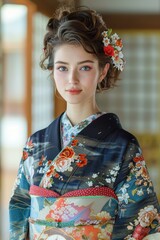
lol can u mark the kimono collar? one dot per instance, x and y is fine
(68, 131)
(98, 129)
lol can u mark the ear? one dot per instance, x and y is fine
(104, 72)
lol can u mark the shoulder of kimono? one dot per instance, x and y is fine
(119, 133)
(47, 134)
(127, 137)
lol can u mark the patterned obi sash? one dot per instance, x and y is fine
(80, 214)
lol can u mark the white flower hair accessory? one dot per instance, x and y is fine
(113, 48)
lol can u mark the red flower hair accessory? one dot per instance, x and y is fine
(113, 48)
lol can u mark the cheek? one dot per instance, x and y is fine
(56, 75)
(57, 79)
(59, 85)
(92, 76)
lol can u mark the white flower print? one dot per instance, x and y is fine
(62, 164)
(124, 188)
(108, 180)
(145, 218)
(112, 172)
(46, 182)
(140, 192)
(149, 190)
(124, 197)
(101, 178)
(41, 170)
(147, 215)
(94, 175)
(90, 183)
(130, 227)
(70, 169)
(113, 179)
(117, 168)
(103, 215)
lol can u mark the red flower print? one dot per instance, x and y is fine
(74, 142)
(25, 155)
(144, 172)
(58, 220)
(138, 158)
(56, 175)
(50, 171)
(49, 215)
(30, 144)
(140, 232)
(67, 153)
(49, 162)
(108, 50)
(43, 158)
(82, 163)
(82, 156)
(40, 163)
(82, 160)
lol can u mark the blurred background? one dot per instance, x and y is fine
(27, 96)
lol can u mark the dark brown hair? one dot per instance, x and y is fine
(81, 26)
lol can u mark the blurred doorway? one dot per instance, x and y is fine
(14, 117)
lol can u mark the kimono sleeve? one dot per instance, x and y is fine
(19, 205)
(138, 211)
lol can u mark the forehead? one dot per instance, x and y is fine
(72, 53)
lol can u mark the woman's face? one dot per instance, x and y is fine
(76, 74)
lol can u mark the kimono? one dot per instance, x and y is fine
(95, 187)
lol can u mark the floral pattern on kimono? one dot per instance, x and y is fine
(101, 154)
(91, 216)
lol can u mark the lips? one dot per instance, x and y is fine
(73, 91)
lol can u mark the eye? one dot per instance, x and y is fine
(85, 68)
(62, 68)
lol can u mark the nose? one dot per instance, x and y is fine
(73, 77)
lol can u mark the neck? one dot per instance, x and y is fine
(78, 113)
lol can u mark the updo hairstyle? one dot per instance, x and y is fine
(79, 27)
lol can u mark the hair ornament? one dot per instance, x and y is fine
(113, 48)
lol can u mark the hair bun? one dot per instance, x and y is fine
(65, 13)
(53, 24)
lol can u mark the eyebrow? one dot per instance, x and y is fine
(82, 62)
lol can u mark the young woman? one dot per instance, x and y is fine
(84, 176)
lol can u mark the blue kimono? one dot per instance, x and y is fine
(95, 187)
